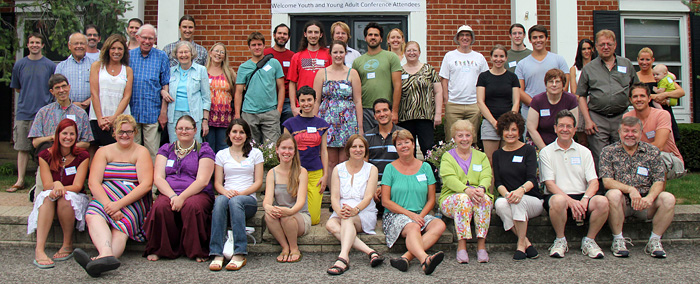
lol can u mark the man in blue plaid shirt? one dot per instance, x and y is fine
(77, 69)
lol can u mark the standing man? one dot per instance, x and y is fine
(517, 50)
(150, 97)
(187, 34)
(77, 69)
(380, 73)
(633, 173)
(29, 77)
(260, 93)
(459, 70)
(280, 52)
(131, 29)
(93, 39)
(532, 69)
(603, 93)
(311, 56)
(341, 32)
(569, 174)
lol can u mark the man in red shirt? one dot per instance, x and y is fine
(311, 56)
(280, 52)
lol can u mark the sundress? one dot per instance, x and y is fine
(338, 109)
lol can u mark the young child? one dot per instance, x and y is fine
(665, 82)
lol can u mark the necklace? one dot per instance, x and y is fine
(182, 152)
(313, 59)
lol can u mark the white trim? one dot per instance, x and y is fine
(525, 13)
(652, 5)
(564, 34)
(137, 9)
(169, 14)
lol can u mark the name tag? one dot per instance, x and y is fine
(210, 81)
(128, 183)
(575, 160)
(169, 163)
(310, 129)
(651, 134)
(70, 116)
(320, 62)
(246, 163)
(421, 177)
(642, 171)
(622, 69)
(267, 67)
(391, 149)
(285, 63)
(404, 76)
(477, 168)
(517, 159)
(344, 86)
(544, 112)
(371, 75)
(71, 171)
(512, 64)
(669, 79)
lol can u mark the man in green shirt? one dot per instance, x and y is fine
(517, 50)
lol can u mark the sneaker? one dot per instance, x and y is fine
(619, 249)
(590, 247)
(558, 248)
(655, 249)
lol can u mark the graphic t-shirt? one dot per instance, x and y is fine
(305, 64)
(375, 74)
(462, 71)
(308, 131)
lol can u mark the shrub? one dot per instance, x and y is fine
(689, 145)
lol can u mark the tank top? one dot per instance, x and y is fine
(284, 199)
(111, 92)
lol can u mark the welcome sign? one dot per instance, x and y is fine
(340, 6)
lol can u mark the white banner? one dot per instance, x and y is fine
(340, 6)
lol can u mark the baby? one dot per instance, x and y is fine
(665, 82)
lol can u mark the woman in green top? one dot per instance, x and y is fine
(408, 195)
(466, 173)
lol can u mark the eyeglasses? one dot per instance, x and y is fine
(127, 132)
(565, 126)
(554, 82)
(183, 129)
(412, 51)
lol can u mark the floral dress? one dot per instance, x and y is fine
(338, 109)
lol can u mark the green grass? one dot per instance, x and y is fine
(7, 181)
(686, 189)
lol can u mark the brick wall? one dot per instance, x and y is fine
(7, 9)
(585, 15)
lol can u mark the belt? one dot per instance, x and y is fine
(608, 115)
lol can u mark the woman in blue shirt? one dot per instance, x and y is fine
(188, 91)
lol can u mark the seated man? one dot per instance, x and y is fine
(633, 173)
(568, 172)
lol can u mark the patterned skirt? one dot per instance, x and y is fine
(393, 225)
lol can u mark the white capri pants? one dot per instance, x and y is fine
(529, 207)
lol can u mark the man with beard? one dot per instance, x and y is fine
(187, 34)
(77, 69)
(380, 73)
(280, 52)
(131, 29)
(93, 39)
(341, 32)
(311, 56)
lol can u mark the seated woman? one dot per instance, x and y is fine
(353, 185)
(63, 171)
(515, 171)
(408, 195)
(180, 221)
(466, 173)
(237, 176)
(121, 177)
(545, 106)
(286, 210)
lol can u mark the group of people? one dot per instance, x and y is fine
(335, 115)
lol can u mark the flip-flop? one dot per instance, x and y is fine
(44, 266)
(284, 257)
(295, 254)
(236, 265)
(216, 265)
(81, 257)
(101, 265)
(69, 254)
(14, 188)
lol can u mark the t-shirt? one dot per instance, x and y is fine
(498, 91)
(95, 56)
(514, 168)
(658, 119)
(409, 191)
(532, 72)
(286, 58)
(307, 131)
(181, 173)
(375, 74)
(32, 78)
(239, 176)
(668, 84)
(548, 113)
(262, 90)
(66, 175)
(350, 56)
(305, 64)
(462, 71)
(514, 57)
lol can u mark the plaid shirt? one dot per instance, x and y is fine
(78, 75)
(201, 53)
(48, 117)
(151, 73)
(640, 170)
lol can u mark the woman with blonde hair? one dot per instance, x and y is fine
(396, 42)
(222, 84)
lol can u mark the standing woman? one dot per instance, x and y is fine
(584, 54)
(397, 44)
(238, 174)
(421, 92)
(339, 102)
(189, 91)
(497, 92)
(286, 211)
(111, 80)
(63, 171)
(222, 80)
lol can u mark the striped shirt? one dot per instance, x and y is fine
(151, 73)
(381, 150)
(78, 75)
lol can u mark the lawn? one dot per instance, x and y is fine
(686, 189)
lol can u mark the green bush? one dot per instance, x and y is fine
(690, 145)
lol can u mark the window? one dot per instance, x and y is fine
(357, 26)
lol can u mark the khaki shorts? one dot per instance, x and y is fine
(307, 223)
(639, 214)
(20, 133)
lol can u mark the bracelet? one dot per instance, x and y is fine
(586, 197)
(205, 119)
(174, 195)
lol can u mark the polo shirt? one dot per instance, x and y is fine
(607, 90)
(48, 118)
(78, 75)
(571, 169)
(381, 150)
(151, 73)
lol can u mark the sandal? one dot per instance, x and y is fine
(216, 264)
(337, 270)
(48, 265)
(375, 259)
(236, 265)
(400, 263)
(15, 187)
(101, 265)
(298, 253)
(284, 257)
(82, 258)
(431, 262)
(66, 255)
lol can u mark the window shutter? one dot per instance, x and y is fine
(695, 49)
(608, 20)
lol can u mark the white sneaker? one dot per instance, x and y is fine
(655, 249)
(619, 248)
(590, 247)
(558, 248)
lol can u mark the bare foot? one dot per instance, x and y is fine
(153, 257)
(202, 259)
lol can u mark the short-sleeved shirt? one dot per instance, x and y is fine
(350, 56)
(571, 169)
(151, 73)
(607, 90)
(285, 57)
(181, 173)
(32, 78)
(640, 170)
(658, 119)
(262, 89)
(308, 131)
(305, 64)
(201, 53)
(417, 97)
(239, 176)
(667, 83)
(498, 91)
(409, 191)
(532, 71)
(375, 73)
(66, 175)
(514, 168)
(95, 56)
(48, 117)
(548, 113)
(514, 56)
(381, 150)
(462, 70)
(78, 75)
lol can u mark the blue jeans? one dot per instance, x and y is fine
(286, 112)
(239, 208)
(217, 138)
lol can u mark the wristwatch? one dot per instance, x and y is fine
(586, 197)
